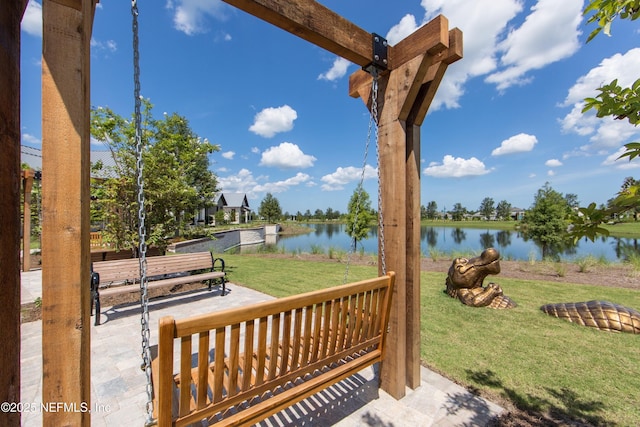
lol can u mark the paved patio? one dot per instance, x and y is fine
(118, 384)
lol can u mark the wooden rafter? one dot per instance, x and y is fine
(315, 23)
(321, 26)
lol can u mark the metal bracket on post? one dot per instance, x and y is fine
(380, 60)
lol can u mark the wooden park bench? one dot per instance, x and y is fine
(116, 277)
(268, 356)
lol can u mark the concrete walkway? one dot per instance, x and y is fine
(118, 384)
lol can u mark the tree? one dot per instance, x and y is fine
(546, 221)
(331, 214)
(572, 200)
(458, 212)
(612, 101)
(359, 215)
(270, 208)
(176, 174)
(486, 207)
(219, 217)
(503, 210)
(431, 210)
(630, 188)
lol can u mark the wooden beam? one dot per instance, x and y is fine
(391, 150)
(406, 91)
(432, 38)
(11, 13)
(315, 23)
(434, 76)
(412, 295)
(66, 322)
(74, 4)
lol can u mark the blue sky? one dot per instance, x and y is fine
(506, 118)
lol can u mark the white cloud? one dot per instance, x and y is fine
(32, 19)
(482, 22)
(406, 26)
(619, 66)
(516, 144)
(493, 47)
(30, 139)
(286, 156)
(549, 34)
(190, 16)
(456, 168)
(273, 120)
(553, 163)
(550, 173)
(606, 133)
(255, 150)
(242, 182)
(620, 163)
(342, 176)
(228, 154)
(611, 134)
(337, 70)
(109, 45)
(284, 185)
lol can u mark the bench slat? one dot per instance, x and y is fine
(129, 269)
(125, 274)
(298, 351)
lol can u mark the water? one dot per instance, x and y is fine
(511, 244)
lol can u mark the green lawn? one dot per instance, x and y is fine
(537, 362)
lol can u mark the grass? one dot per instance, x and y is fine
(490, 225)
(537, 362)
(624, 229)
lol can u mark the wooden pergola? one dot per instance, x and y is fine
(410, 73)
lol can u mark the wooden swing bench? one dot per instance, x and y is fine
(268, 356)
(162, 271)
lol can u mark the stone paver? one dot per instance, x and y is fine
(118, 384)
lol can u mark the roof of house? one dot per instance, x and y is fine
(236, 199)
(232, 199)
(33, 157)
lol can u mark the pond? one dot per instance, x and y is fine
(450, 240)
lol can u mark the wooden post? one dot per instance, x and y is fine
(10, 17)
(405, 94)
(65, 204)
(27, 185)
(415, 67)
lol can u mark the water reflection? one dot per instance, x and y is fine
(503, 238)
(458, 235)
(511, 244)
(487, 240)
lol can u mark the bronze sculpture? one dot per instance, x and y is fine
(603, 315)
(465, 281)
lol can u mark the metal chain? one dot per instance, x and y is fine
(374, 114)
(142, 234)
(373, 123)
